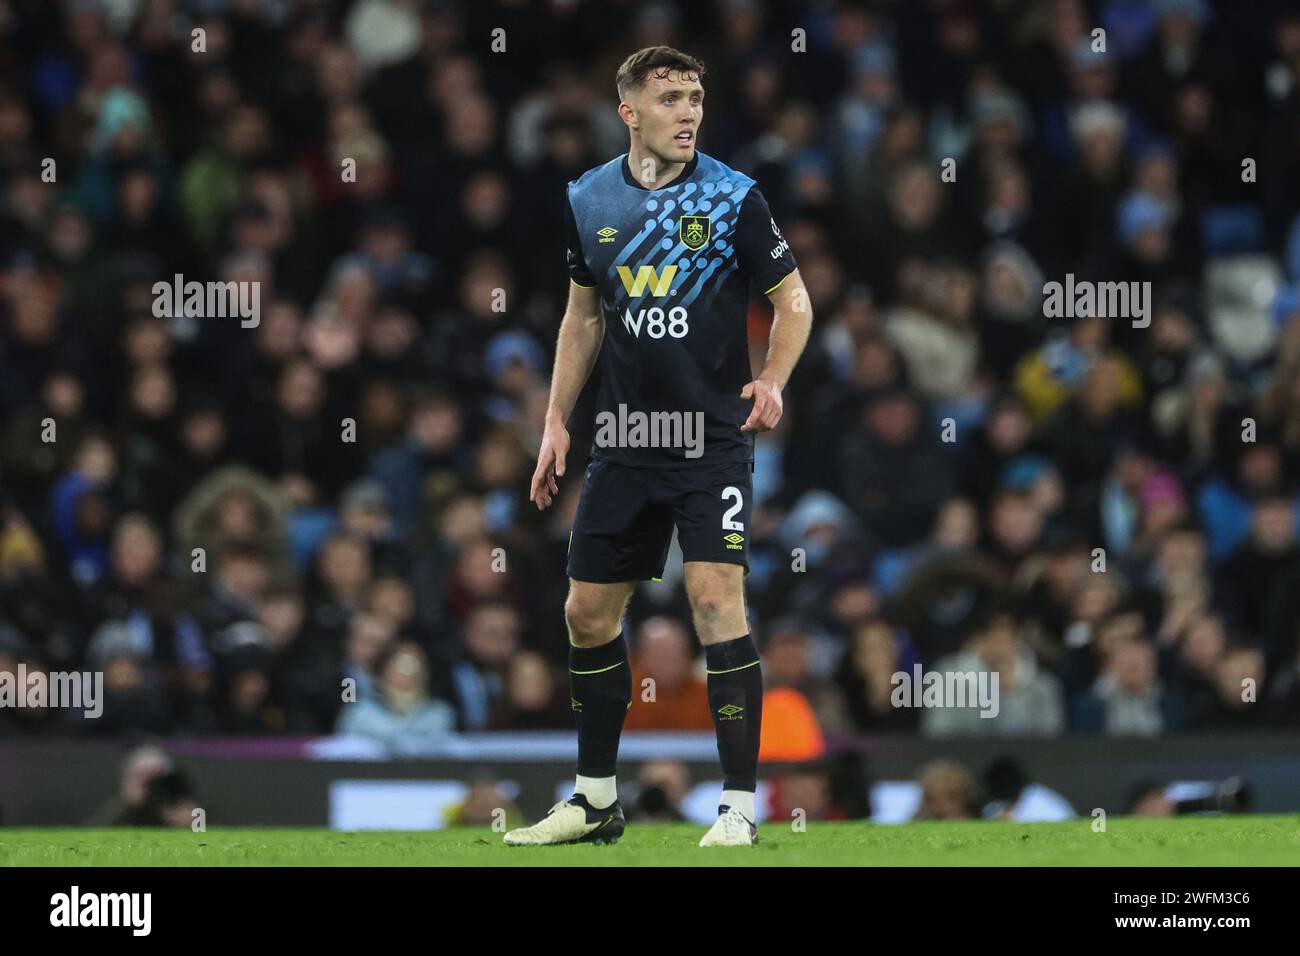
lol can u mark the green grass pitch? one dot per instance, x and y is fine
(1188, 841)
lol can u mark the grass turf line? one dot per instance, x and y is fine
(1186, 841)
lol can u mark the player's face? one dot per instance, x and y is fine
(668, 114)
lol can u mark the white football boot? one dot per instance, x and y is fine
(731, 829)
(572, 821)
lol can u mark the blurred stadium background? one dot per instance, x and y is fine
(420, 300)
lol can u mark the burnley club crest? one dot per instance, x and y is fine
(694, 231)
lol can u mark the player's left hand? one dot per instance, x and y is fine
(767, 405)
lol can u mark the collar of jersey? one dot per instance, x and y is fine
(679, 178)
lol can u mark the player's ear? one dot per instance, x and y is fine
(627, 113)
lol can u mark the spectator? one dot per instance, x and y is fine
(369, 639)
(662, 787)
(1240, 687)
(1026, 700)
(1128, 699)
(948, 792)
(401, 715)
(490, 639)
(667, 691)
(486, 804)
(139, 767)
(1249, 572)
(532, 699)
(1016, 797)
(866, 675)
(787, 659)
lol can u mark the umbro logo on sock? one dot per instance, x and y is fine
(731, 712)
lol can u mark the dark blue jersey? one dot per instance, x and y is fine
(674, 267)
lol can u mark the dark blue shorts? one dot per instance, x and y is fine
(624, 525)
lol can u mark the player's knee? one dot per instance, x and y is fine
(708, 606)
(717, 610)
(589, 623)
(714, 609)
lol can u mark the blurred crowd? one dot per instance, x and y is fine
(321, 522)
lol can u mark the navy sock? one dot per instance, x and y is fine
(600, 692)
(736, 701)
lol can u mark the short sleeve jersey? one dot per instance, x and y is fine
(674, 267)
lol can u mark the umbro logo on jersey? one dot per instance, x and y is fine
(607, 234)
(694, 231)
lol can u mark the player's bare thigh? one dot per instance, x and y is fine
(717, 594)
(593, 612)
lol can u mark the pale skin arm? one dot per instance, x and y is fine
(581, 333)
(791, 325)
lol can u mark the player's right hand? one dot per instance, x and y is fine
(550, 465)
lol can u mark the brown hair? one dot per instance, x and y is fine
(659, 61)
